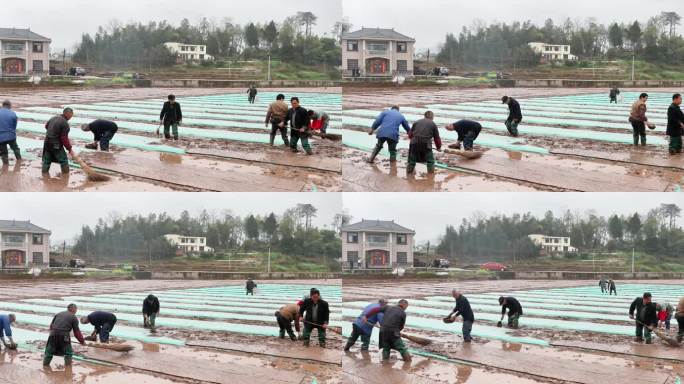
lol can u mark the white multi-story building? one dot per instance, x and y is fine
(376, 244)
(553, 244)
(23, 245)
(553, 52)
(189, 52)
(189, 244)
(377, 52)
(23, 53)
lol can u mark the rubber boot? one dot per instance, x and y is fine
(406, 356)
(286, 141)
(643, 141)
(282, 334)
(292, 336)
(175, 137)
(431, 169)
(46, 361)
(393, 157)
(680, 338)
(639, 339)
(410, 168)
(17, 155)
(636, 139)
(67, 360)
(64, 169)
(309, 152)
(348, 346)
(385, 354)
(5, 160)
(271, 140)
(322, 345)
(306, 343)
(374, 154)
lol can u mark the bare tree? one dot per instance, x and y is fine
(308, 20)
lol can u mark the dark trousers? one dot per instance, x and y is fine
(306, 335)
(391, 146)
(638, 131)
(643, 332)
(469, 139)
(512, 126)
(284, 324)
(106, 138)
(13, 145)
(169, 128)
(356, 333)
(613, 100)
(283, 132)
(680, 324)
(613, 290)
(250, 292)
(466, 329)
(104, 331)
(55, 154)
(675, 144)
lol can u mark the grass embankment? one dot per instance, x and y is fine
(619, 261)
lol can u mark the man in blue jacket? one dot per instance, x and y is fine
(365, 329)
(8, 132)
(387, 124)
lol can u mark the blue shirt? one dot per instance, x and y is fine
(5, 329)
(367, 328)
(388, 123)
(8, 125)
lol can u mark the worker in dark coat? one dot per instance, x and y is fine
(393, 321)
(643, 311)
(150, 310)
(171, 116)
(514, 310)
(103, 132)
(514, 115)
(317, 316)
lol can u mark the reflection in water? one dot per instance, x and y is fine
(170, 158)
(150, 347)
(513, 347)
(463, 373)
(515, 155)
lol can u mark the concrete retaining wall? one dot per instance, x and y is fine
(204, 275)
(570, 83)
(564, 275)
(208, 83)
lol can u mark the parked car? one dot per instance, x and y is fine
(77, 263)
(56, 72)
(77, 71)
(491, 266)
(441, 263)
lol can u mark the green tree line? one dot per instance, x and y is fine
(505, 237)
(655, 40)
(142, 45)
(136, 237)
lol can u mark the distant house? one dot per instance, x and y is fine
(553, 52)
(377, 244)
(189, 244)
(23, 245)
(188, 52)
(377, 52)
(553, 244)
(23, 53)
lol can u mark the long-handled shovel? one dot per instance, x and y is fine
(337, 330)
(470, 155)
(416, 339)
(662, 335)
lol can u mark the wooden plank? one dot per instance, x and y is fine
(329, 356)
(653, 351)
(206, 179)
(192, 368)
(560, 177)
(286, 158)
(549, 366)
(632, 157)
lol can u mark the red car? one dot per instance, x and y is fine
(491, 266)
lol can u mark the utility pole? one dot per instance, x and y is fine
(269, 260)
(269, 67)
(632, 259)
(633, 64)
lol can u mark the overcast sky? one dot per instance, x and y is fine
(65, 22)
(65, 213)
(429, 213)
(428, 21)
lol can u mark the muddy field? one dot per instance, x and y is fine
(207, 332)
(570, 140)
(570, 333)
(223, 145)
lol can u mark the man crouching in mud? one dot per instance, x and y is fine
(390, 331)
(59, 341)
